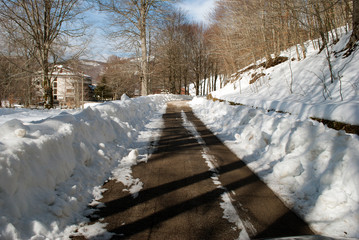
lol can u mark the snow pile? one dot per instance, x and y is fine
(29, 115)
(50, 169)
(303, 87)
(96, 231)
(312, 168)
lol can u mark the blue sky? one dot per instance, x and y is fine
(100, 48)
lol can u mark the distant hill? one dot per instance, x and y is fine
(93, 68)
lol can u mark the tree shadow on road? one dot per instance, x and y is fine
(174, 139)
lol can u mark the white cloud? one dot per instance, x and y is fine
(198, 10)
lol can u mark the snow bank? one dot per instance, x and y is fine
(29, 115)
(50, 169)
(312, 168)
(303, 87)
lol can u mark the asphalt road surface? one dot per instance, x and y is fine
(181, 200)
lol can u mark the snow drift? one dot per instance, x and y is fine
(312, 168)
(303, 87)
(49, 168)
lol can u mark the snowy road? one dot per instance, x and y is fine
(195, 188)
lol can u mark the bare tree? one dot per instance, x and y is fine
(132, 17)
(41, 21)
(354, 38)
(120, 75)
(17, 59)
(171, 54)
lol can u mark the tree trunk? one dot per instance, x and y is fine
(197, 83)
(49, 98)
(45, 58)
(144, 82)
(355, 35)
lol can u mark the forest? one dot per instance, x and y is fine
(169, 52)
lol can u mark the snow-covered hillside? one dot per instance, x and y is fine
(52, 163)
(303, 87)
(314, 169)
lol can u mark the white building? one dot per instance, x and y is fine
(70, 88)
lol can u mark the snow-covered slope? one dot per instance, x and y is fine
(314, 169)
(50, 169)
(303, 87)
